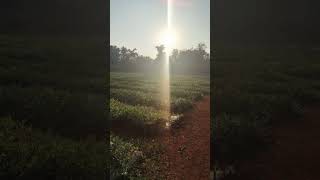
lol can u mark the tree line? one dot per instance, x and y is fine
(193, 56)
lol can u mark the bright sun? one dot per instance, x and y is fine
(168, 38)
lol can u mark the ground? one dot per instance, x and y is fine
(187, 148)
(294, 153)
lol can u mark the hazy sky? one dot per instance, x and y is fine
(139, 23)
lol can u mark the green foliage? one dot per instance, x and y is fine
(53, 83)
(136, 104)
(126, 158)
(180, 105)
(138, 114)
(134, 97)
(30, 154)
(189, 61)
(135, 158)
(62, 111)
(249, 90)
(238, 138)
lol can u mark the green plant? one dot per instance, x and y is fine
(31, 154)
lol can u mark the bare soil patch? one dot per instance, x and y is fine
(187, 147)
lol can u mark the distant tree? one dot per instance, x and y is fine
(193, 56)
(124, 56)
(191, 60)
(174, 55)
(161, 54)
(132, 55)
(201, 47)
(201, 50)
(114, 54)
(143, 59)
(185, 57)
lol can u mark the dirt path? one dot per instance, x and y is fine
(187, 148)
(295, 153)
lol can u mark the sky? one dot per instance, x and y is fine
(140, 23)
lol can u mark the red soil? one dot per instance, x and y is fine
(187, 148)
(295, 153)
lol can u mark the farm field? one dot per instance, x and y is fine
(136, 120)
(52, 101)
(256, 99)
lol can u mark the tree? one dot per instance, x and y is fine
(124, 55)
(132, 55)
(187, 61)
(201, 52)
(161, 54)
(114, 54)
(174, 55)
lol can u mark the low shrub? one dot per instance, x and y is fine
(180, 105)
(30, 154)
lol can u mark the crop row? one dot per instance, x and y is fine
(137, 114)
(176, 92)
(179, 103)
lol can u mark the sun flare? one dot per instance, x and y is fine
(168, 39)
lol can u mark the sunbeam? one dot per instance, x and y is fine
(168, 40)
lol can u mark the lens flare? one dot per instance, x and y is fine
(168, 41)
(168, 38)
